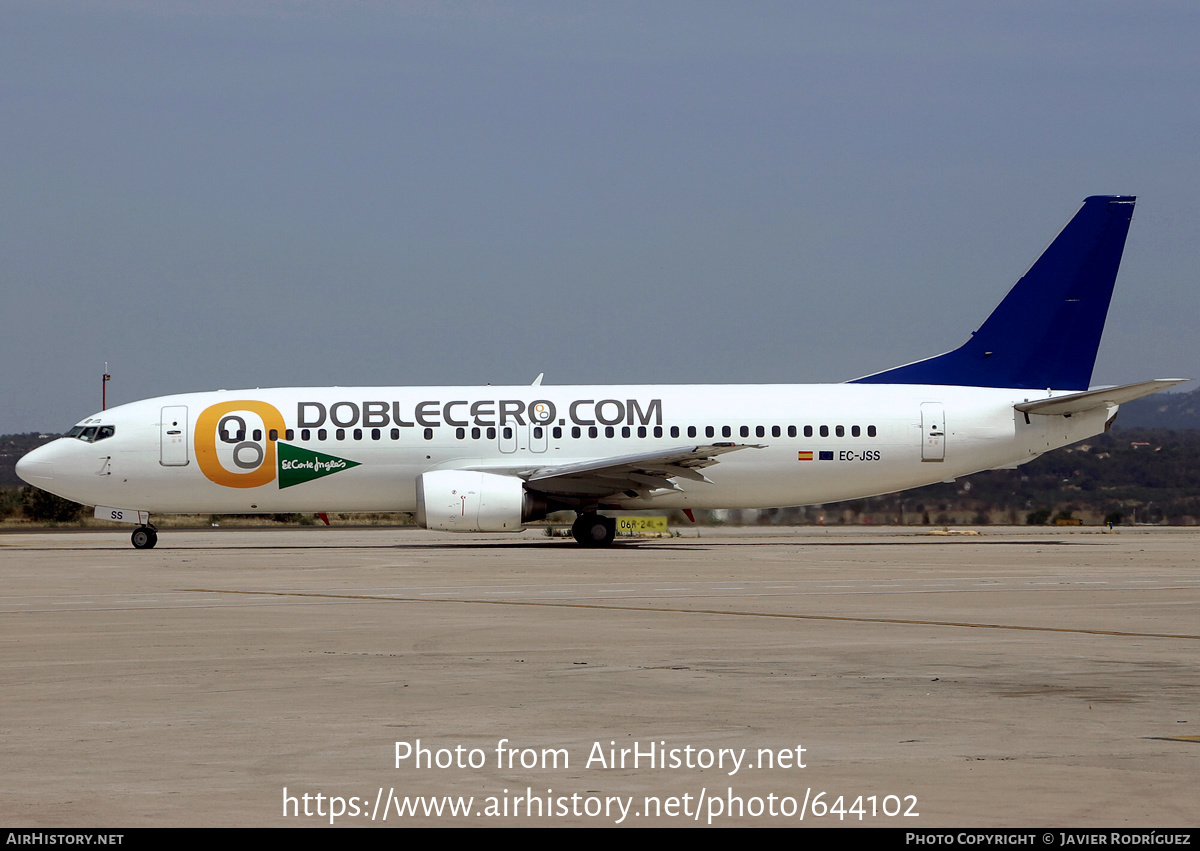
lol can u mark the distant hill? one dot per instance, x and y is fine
(1162, 410)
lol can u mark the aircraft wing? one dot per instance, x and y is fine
(633, 475)
(1077, 403)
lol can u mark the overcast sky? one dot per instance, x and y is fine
(240, 194)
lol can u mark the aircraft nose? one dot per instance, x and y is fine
(34, 467)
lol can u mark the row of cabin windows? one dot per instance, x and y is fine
(577, 432)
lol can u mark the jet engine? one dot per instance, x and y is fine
(472, 501)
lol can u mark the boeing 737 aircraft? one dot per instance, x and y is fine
(489, 459)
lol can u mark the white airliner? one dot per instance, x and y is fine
(489, 459)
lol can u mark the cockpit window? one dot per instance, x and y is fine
(90, 434)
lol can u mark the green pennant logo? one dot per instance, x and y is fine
(298, 465)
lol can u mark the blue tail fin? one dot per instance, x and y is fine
(1047, 330)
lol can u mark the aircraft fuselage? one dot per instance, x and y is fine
(363, 448)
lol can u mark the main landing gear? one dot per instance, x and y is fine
(592, 530)
(144, 537)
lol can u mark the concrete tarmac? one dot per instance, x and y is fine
(1026, 677)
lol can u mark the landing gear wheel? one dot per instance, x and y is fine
(592, 530)
(144, 537)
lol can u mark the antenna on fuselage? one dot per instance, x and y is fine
(104, 388)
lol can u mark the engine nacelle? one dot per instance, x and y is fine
(471, 501)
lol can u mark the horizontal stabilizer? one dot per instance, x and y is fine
(1078, 403)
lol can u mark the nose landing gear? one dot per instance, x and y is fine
(144, 537)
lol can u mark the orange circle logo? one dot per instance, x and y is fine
(223, 447)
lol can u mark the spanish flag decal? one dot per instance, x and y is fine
(803, 456)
